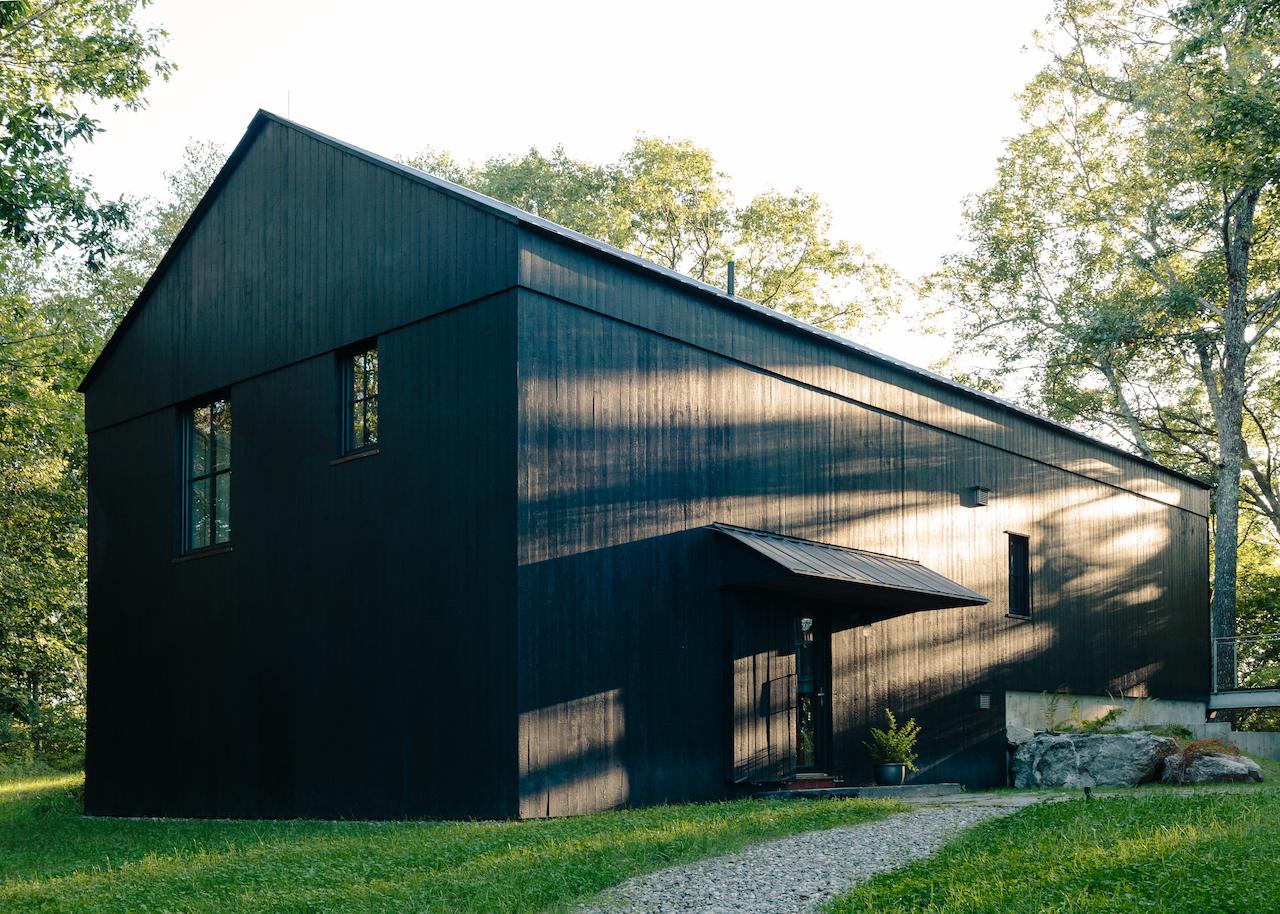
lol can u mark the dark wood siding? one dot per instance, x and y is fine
(516, 606)
(307, 249)
(354, 653)
(763, 684)
(593, 281)
(632, 439)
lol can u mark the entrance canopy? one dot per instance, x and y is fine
(839, 573)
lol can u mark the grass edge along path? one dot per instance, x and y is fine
(1144, 849)
(53, 859)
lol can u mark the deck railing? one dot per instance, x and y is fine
(1249, 662)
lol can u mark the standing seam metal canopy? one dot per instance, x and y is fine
(856, 567)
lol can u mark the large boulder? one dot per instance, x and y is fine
(1210, 768)
(1090, 759)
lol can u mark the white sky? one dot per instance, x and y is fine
(891, 112)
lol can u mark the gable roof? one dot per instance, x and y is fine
(519, 217)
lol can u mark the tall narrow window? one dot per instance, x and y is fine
(207, 459)
(360, 400)
(1019, 575)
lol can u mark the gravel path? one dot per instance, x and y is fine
(799, 873)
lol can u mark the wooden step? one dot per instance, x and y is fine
(905, 791)
(812, 782)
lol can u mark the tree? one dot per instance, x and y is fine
(57, 56)
(555, 187)
(54, 319)
(42, 542)
(786, 259)
(1126, 260)
(666, 201)
(677, 205)
(102, 295)
(1259, 658)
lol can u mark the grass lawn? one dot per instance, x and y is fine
(1211, 851)
(52, 859)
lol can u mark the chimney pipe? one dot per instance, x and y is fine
(730, 277)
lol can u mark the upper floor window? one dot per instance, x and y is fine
(207, 482)
(360, 400)
(1019, 575)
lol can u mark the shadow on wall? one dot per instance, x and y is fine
(626, 667)
(631, 443)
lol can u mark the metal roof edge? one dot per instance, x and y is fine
(743, 535)
(904, 588)
(720, 525)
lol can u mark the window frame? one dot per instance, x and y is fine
(1021, 598)
(348, 402)
(187, 478)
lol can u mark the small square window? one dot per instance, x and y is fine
(360, 400)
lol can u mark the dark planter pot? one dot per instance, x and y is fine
(891, 774)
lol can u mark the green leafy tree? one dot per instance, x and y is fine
(678, 206)
(42, 537)
(54, 318)
(1124, 265)
(1259, 657)
(57, 57)
(786, 259)
(667, 201)
(555, 187)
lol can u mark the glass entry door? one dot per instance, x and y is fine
(813, 693)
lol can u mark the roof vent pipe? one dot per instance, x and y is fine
(730, 277)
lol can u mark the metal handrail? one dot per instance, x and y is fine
(1233, 667)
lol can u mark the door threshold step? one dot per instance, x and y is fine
(811, 782)
(904, 791)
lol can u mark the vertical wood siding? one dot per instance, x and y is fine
(515, 608)
(354, 654)
(631, 441)
(306, 249)
(590, 280)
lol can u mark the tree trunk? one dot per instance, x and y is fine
(1226, 506)
(1237, 236)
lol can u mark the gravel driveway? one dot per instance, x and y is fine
(799, 873)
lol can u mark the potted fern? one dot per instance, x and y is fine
(894, 750)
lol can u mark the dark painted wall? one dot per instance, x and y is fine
(515, 607)
(354, 654)
(308, 248)
(633, 438)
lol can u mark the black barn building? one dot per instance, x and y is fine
(524, 526)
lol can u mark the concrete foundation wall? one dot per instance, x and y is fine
(1029, 710)
(1258, 745)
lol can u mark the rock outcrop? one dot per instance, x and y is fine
(1091, 759)
(1210, 768)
